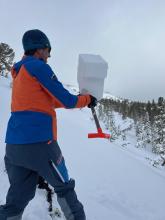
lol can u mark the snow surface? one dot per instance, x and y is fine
(113, 181)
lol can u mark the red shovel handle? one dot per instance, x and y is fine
(99, 133)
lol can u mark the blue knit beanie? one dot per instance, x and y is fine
(35, 39)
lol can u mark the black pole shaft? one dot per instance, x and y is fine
(95, 117)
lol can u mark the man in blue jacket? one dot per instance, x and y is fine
(32, 149)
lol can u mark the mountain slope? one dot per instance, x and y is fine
(110, 181)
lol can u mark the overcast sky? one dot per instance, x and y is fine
(128, 34)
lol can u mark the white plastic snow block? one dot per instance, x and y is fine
(92, 70)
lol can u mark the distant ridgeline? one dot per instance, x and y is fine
(6, 59)
(148, 118)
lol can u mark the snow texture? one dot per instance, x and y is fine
(113, 181)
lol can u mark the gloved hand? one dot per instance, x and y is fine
(93, 102)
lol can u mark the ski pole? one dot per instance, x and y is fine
(99, 133)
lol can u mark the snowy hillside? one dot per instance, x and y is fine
(75, 89)
(113, 181)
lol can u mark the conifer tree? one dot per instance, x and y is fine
(6, 57)
(158, 142)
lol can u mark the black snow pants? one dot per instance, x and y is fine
(24, 163)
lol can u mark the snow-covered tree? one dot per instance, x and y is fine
(158, 142)
(6, 58)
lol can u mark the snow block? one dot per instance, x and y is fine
(92, 70)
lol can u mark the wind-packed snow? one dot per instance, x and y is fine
(113, 181)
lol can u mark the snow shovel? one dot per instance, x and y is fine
(99, 133)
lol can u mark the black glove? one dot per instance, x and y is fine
(93, 102)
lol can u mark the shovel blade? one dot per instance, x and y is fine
(99, 135)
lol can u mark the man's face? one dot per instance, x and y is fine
(43, 54)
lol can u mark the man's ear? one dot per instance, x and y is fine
(38, 53)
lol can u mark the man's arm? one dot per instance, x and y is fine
(48, 80)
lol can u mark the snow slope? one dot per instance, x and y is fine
(112, 182)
